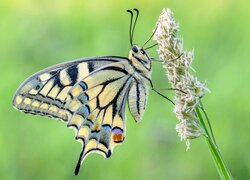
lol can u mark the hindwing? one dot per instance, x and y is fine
(89, 95)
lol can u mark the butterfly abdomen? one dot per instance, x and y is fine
(137, 99)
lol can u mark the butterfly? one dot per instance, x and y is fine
(90, 95)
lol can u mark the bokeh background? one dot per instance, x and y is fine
(36, 34)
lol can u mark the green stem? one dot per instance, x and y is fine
(215, 152)
(209, 124)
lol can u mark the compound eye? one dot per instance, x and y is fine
(135, 49)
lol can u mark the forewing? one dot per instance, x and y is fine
(45, 93)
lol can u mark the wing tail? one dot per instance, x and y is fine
(102, 127)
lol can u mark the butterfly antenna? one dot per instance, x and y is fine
(152, 35)
(78, 166)
(130, 27)
(137, 14)
(151, 46)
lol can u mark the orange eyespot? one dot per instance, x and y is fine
(118, 136)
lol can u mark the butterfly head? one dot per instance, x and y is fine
(137, 55)
(139, 58)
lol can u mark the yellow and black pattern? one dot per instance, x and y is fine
(97, 109)
(90, 96)
(46, 92)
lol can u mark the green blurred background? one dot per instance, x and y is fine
(35, 34)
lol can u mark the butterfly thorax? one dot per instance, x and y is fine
(141, 62)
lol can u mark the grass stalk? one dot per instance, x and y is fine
(214, 150)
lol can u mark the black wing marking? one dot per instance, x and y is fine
(90, 95)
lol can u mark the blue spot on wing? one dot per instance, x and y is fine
(86, 97)
(86, 110)
(106, 127)
(117, 130)
(83, 98)
(83, 85)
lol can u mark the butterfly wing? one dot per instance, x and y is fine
(97, 109)
(89, 95)
(46, 91)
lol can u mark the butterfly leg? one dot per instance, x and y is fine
(172, 89)
(163, 96)
(152, 86)
(157, 60)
